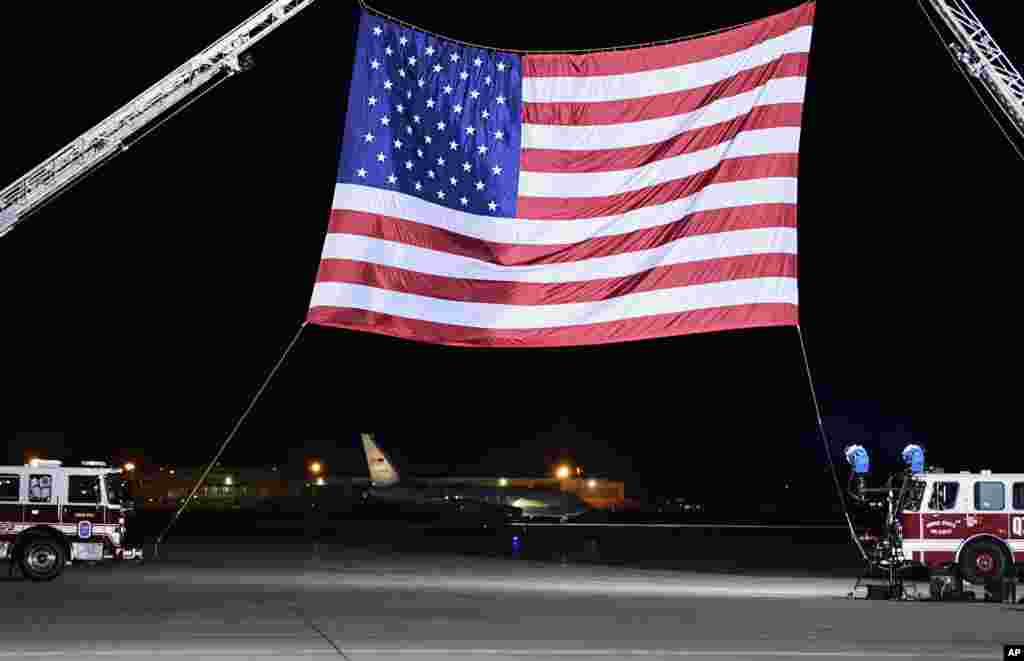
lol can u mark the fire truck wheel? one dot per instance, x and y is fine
(983, 560)
(42, 558)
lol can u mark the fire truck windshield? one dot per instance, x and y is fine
(117, 490)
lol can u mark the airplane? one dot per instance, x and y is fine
(514, 504)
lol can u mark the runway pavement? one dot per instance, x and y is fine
(294, 600)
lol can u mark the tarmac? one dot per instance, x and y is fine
(292, 599)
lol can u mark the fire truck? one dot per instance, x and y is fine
(946, 528)
(52, 515)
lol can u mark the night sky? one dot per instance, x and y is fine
(145, 306)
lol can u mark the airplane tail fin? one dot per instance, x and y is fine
(382, 473)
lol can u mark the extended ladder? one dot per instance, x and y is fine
(983, 58)
(220, 60)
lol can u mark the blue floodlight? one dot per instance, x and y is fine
(857, 457)
(913, 456)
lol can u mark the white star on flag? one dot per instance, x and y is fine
(385, 120)
(369, 137)
(430, 50)
(482, 149)
(398, 144)
(464, 200)
(380, 157)
(361, 172)
(377, 31)
(477, 62)
(372, 100)
(453, 180)
(466, 166)
(479, 185)
(496, 169)
(440, 160)
(388, 84)
(492, 205)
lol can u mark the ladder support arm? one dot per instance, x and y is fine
(978, 51)
(221, 59)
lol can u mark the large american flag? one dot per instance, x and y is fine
(486, 198)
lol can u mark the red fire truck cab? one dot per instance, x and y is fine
(975, 520)
(52, 515)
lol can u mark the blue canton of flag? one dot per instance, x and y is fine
(433, 119)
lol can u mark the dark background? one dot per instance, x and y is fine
(142, 309)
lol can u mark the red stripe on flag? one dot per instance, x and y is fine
(612, 63)
(408, 232)
(611, 160)
(735, 169)
(662, 105)
(535, 293)
(641, 328)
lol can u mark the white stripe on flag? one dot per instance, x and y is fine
(757, 142)
(581, 89)
(761, 241)
(652, 131)
(499, 316)
(770, 190)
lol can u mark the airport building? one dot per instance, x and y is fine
(165, 486)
